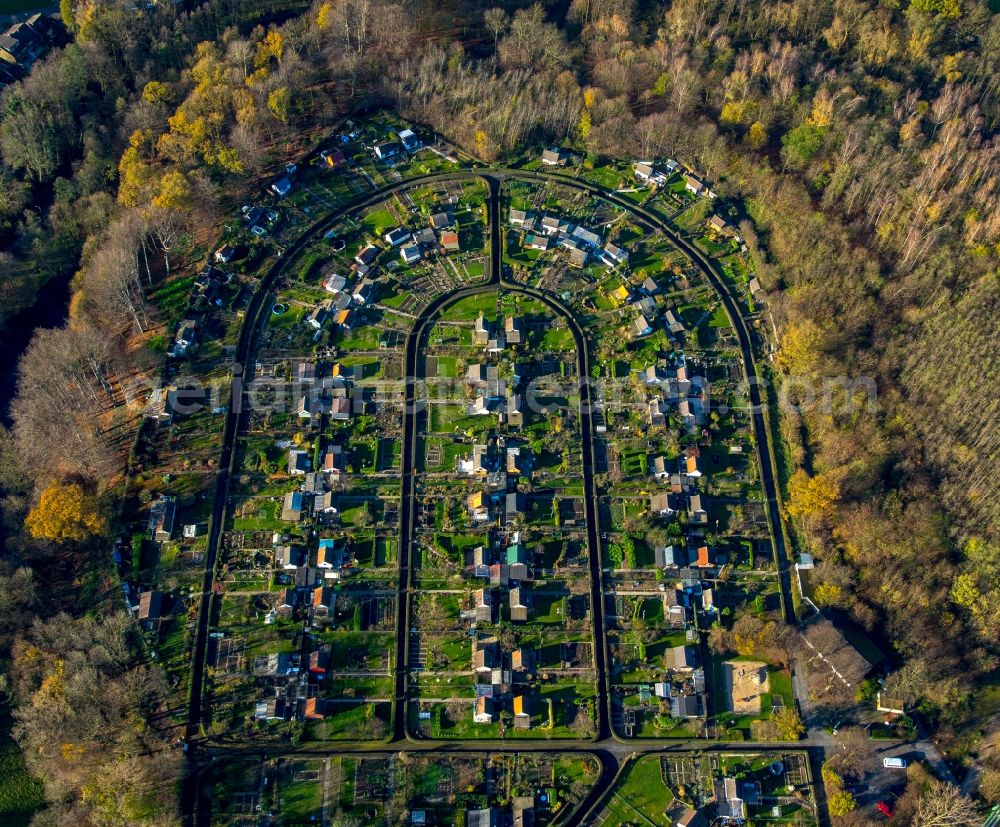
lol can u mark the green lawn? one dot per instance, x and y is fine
(265, 518)
(557, 339)
(641, 797)
(171, 298)
(20, 793)
(446, 367)
(608, 177)
(301, 799)
(467, 309)
(360, 338)
(380, 221)
(350, 721)
(289, 318)
(547, 608)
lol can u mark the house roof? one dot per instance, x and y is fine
(516, 553)
(683, 656)
(670, 556)
(659, 502)
(686, 706)
(150, 605)
(367, 254)
(397, 235)
(587, 236)
(387, 150)
(481, 818)
(691, 818)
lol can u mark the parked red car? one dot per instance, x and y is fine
(884, 808)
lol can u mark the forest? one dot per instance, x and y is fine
(859, 136)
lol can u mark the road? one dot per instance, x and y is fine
(750, 375)
(611, 751)
(256, 313)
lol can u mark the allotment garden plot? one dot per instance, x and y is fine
(305, 636)
(501, 640)
(685, 542)
(680, 787)
(391, 789)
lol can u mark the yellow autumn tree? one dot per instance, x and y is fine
(811, 496)
(841, 803)
(324, 16)
(86, 21)
(65, 513)
(67, 12)
(828, 594)
(245, 108)
(157, 92)
(801, 346)
(756, 135)
(788, 723)
(269, 48)
(227, 159)
(134, 172)
(733, 112)
(277, 102)
(822, 109)
(481, 143)
(589, 96)
(175, 191)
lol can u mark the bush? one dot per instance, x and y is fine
(841, 803)
(830, 776)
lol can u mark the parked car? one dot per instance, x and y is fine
(894, 763)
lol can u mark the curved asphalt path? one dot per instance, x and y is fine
(610, 760)
(750, 374)
(414, 371)
(256, 312)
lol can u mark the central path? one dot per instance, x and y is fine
(413, 375)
